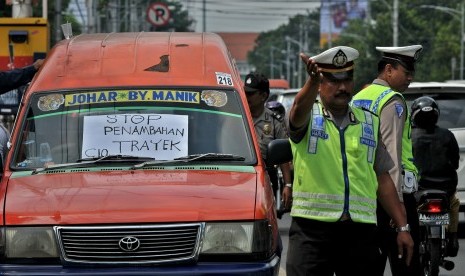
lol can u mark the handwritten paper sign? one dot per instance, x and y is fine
(160, 136)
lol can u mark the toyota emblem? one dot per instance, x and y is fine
(129, 243)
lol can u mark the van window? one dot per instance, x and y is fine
(163, 124)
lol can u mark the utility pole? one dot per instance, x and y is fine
(58, 20)
(204, 15)
(395, 23)
(271, 63)
(288, 58)
(133, 18)
(462, 14)
(90, 17)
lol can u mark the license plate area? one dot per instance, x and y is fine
(434, 219)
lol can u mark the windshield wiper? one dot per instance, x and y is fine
(94, 160)
(191, 158)
(114, 157)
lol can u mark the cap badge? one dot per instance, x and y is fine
(340, 59)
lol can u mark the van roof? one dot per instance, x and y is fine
(142, 59)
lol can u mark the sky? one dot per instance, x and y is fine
(246, 15)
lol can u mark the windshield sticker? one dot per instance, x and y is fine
(160, 136)
(224, 79)
(50, 102)
(214, 98)
(132, 96)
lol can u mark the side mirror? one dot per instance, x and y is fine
(279, 152)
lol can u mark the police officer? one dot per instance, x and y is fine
(395, 72)
(340, 169)
(269, 125)
(15, 78)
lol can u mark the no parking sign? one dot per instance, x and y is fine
(158, 14)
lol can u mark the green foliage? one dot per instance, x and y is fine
(419, 22)
(274, 44)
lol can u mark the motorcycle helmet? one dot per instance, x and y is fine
(425, 112)
(276, 107)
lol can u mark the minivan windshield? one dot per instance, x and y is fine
(139, 125)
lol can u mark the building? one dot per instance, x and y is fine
(239, 44)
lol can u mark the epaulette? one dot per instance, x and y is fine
(277, 116)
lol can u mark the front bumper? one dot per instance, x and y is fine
(266, 268)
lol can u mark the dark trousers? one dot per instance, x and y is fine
(387, 237)
(273, 174)
(323, 248)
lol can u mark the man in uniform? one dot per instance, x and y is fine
(268, 126)
(340, 169)
(395, 72)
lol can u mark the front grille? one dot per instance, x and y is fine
(172, 243)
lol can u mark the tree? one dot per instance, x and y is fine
(419, 23)
(438, 33)
(273, 44)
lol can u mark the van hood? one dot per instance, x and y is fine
(145, 196)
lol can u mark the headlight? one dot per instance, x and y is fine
(30, 242)
(237, 238)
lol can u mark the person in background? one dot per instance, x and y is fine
(340, 169)
(15, 78)
(396, 70)
(4, 137)
(269, 125)
(436, 154)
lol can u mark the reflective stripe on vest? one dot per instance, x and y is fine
(318, 129)
(381, 96)
(368, 136)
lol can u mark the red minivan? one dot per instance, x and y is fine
(135, 153)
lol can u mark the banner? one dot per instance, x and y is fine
(335, 16)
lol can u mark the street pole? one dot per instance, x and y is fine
(271, 63)
(461, 41)
(288, 53)
(300, 65)
(204, 15)
(395, 23)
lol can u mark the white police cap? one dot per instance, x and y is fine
(337, 62)
(406, 55)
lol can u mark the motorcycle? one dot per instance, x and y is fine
(433, 212)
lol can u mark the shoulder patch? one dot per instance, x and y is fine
(399, 109)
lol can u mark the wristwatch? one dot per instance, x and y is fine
(289, 185)
(405, 228)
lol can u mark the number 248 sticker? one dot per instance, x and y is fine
(224, 79)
